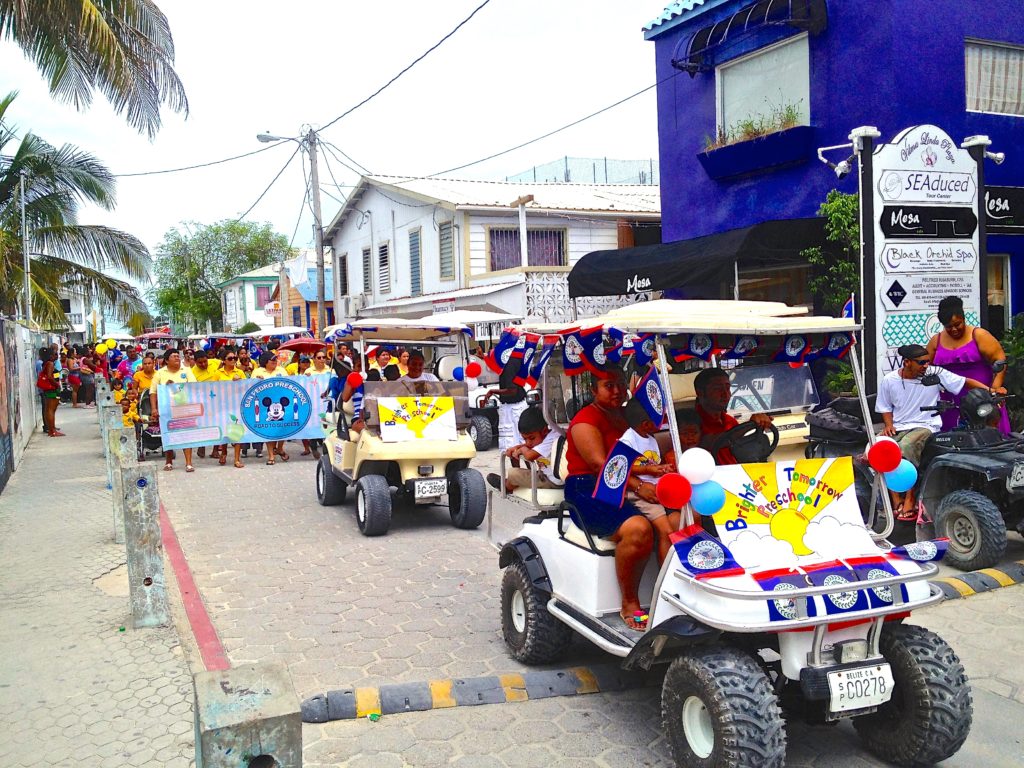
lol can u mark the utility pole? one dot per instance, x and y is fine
(314, 180)
(25, 258)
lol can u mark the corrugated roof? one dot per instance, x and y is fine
(593, 198)
(678, 12)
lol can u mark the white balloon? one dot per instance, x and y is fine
(697, 465)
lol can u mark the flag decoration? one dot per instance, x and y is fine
(611, 483)
(835, 574)
(836, 346)
(701, 554)
(780, 581)
(499, 356)
(542, 356)
(594, 357)
(793, 349)
(523, 377)
(849, 308)
(623, 345)
(743, 346)
(920, 551)
(871, 568)
(572, 354)
(651, 396)
(643, 349)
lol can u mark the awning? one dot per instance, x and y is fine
(408, 304)
(807, 15)
(699, 266)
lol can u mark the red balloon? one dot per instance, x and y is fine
(354, 380)
(473, 369)
(884, 456)
(673, 491)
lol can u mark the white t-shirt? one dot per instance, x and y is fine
(422, 377)
(546, 448)
(647, 447)
(903, 398)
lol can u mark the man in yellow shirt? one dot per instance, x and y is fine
(202, 369)
(173, 372)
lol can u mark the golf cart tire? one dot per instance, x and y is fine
(719, 711)
(330, 491)
(467, 498)
(929, 716)
(482, 433)
(533, 635)
(960, 511)
(373, 505)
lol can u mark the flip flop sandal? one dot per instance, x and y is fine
(168, 467)
(189, 468)
(270, 462)
(223, 460)
(239, 465)
(639, 618)
(285, 457)
(906, 515)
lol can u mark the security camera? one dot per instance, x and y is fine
(996, 157)
(842, 170)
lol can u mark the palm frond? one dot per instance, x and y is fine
(94, 247)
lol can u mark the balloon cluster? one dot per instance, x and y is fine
(473, 369)
(458, 374)
(693, 484)
(886, 457)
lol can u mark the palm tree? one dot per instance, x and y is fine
(65, 255)
(122, 47)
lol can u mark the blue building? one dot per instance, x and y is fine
(810, 71)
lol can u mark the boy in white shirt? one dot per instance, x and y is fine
(640, 437)
(537, 446)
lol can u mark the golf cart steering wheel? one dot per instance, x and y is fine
(748, 442)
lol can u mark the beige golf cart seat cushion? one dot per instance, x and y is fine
(550, 497)
(576, 535)
(446, 366)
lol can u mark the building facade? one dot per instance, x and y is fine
(244, 298)
(408, 248)
(807, 72)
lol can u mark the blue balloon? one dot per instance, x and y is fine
(707, 498)
(902, 478)
(206, 345)
(459, 374)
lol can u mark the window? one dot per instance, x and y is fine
(262, 296)
(765, 91)
(415, 268)
(343, 275)
(367, 281)
(446, 249)
(995, 78)
(384, 267)
(65, 304)
(297, 316)
(544, 248)
(330, 315)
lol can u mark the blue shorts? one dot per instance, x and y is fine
(600, 518)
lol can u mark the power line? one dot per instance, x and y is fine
(329, 150)
(351, 159)
(200, 165)
(415, 61)
(272, 182)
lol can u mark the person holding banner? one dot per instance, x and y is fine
(229, 371)
(173, 372)
(270, 367)
(593, 435)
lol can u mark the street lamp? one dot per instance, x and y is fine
(309, 141)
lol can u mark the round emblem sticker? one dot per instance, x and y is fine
(505, 356)
(616, 471)
(648, 347)
(882, 593)
(706, 556)
(842, 600)
(795, 345)
(599, 356)
(654, 395)
(745, 345)
(922, 550)
(786, 607)
(700, 344)
(276, 408)
(573, 349)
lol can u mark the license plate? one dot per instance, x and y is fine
(428, 489)
(859, 687)
(1017, 478)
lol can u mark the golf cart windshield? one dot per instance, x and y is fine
(772, 388)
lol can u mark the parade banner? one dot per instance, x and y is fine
(417, 418)
(243, 411)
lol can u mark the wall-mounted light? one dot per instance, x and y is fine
(996, 157)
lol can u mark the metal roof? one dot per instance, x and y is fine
(676, 13)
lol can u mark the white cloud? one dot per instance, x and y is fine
(759, 552)
(829, 538)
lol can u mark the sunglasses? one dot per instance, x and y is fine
(321, 357)
(230, 358)
(923, 362)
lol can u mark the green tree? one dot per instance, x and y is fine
(193, 260)
(837, 270)
(65, 255)
(123, 48)
(249, 327)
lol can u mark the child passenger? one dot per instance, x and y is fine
(537, 446)
(689, 433)
(640, 437)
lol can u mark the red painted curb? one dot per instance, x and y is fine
(210, 648)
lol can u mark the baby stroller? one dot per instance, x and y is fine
(147, 431)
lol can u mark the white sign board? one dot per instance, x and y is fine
(926, 239)
(416, 418)
(273, 308)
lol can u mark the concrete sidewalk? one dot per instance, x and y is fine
(74, 688)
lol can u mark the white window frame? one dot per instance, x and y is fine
(384, 286)
(753, 54)
(367, 268)
(418, 231)
(991, 44)
(440, 255)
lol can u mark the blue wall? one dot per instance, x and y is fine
(887, 63)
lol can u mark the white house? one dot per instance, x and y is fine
(75, 312)
(408, 247)
(244, 297)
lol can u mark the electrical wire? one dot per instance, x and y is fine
(272, 182)
(329, 150)
(351, 159)
(200, 165)
(295, 232)
(415, 61)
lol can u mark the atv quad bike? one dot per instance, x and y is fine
(413, 438)
(781, 602)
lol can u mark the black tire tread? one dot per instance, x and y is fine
(484, 433)
(468, 506)
(546, 638)
(334, 488)
(938, 720)
(377, 494)
(750, 731)
(991, 529)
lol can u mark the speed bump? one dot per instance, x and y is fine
(351, 703)
(984, 580)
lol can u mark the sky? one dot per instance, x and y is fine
(518, 69)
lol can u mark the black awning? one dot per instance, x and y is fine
(808, 15)
(700, 265)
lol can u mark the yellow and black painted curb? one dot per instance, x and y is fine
(974, 582)
(350, 703)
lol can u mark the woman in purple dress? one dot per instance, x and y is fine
(969, 351)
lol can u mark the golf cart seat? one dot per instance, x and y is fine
(548, 498)
(446, 366)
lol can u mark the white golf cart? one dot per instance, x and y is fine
(783, 600)
(412, 437)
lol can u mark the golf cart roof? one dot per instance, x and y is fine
(284, 330)
(768, 318)
(471, 317)
(399, 329)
